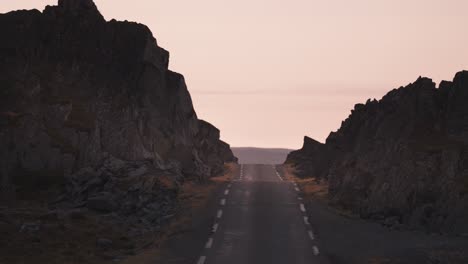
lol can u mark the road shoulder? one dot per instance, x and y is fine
(346, 238)
(184, 238)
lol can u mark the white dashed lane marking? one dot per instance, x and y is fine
(277, 173)
(316, 250)
(219, 214)
(281, 179)
(209, 244)
(201, 260)
(301, 206)
(215, 228)
(310, 233)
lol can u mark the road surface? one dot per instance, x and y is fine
(261, 219)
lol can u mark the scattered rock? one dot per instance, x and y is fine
(97, 115)
(405, 155)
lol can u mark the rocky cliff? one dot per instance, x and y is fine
(90, 107)
(311, 159)
(403, 159)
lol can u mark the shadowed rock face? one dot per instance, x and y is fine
(404, 157)
(311, 159)
(91, 104)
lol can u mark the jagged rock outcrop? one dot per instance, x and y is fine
(403, 158)
(312, 159)
(91, 105)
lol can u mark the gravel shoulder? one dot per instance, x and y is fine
(31, 233)
(348, 239)
(184, 238)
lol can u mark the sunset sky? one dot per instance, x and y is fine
(268, 72)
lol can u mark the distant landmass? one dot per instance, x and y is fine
(248, 155)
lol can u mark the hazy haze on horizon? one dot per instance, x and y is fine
(268, 72)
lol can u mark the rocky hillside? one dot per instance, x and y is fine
(402, 160)
(89, 109)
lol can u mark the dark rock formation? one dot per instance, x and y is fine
(404, 157)
(311, 159)
(91, 106)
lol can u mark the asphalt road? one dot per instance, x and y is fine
(260, 219)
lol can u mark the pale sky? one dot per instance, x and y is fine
(268, 72)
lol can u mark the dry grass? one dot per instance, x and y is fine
(70, 238)
(315, 189)
(193, 197)
(228, 175)
(312, 188)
